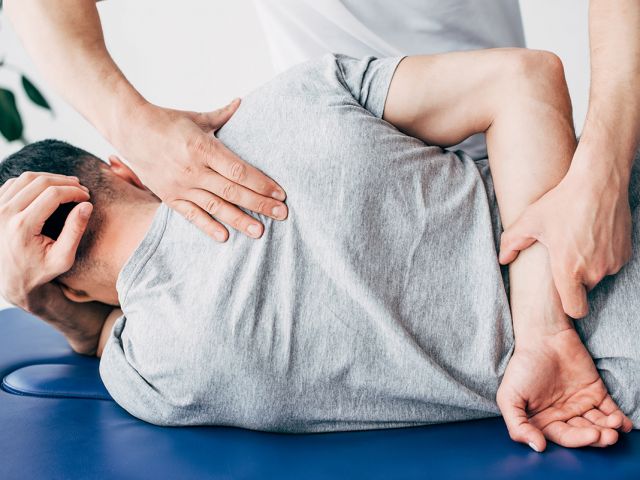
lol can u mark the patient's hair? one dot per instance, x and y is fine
(55, 156)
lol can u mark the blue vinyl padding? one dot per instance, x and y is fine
(44, 434)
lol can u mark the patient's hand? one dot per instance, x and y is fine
(552, 389)
(31, 261)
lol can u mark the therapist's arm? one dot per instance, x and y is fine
(551, 387)
(173, 152)
(586, 222)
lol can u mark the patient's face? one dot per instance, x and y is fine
(89, 286)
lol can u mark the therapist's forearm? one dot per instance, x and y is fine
(65, 40)
(612, 126)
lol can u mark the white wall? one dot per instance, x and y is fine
(206, 52)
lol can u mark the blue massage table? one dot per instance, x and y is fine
(57, 421)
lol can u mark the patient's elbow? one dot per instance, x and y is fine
(89, 349)
(537, 77)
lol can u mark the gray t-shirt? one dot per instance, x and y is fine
(378, 303)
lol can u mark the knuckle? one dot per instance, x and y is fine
(229, 191)
(213, 205)
(261, 207)
(191, 214)
(238, 171)
(28, 176)
(52, 192)
(19, 221)
(198, 145)
(188, 170)
(41, 181)
(238, 221)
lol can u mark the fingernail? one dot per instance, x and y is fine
(278, 211)
(85, 210)
(219, 236)
(533, 447)
(278, 195)
(254, 230)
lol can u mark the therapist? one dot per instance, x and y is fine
(584, 222)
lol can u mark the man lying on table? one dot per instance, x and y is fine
(379, 303)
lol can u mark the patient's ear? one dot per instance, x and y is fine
(119, 168)
(74, 295)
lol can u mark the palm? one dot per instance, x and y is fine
(554, 388)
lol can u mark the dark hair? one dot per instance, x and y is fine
(55, 156)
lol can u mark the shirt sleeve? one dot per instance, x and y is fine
(368, 79)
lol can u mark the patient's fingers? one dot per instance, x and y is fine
(200, 219)
(569, 436)
(14, 185)
(62, 253)
(6, 188)
(608, 436)
(28, 187)
(48, 201)
(227, 213)
(595, 416)
(609, 407)
(520, 429)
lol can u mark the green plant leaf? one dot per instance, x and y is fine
(10, 121)
(34, 94)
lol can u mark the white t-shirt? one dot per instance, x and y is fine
(298, 30)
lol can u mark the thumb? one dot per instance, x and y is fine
(516, 238)
(218, 118)
(518, 425)
(573, 294)
(62, 253)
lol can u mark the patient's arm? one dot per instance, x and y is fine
(106, 330)
(520, 99)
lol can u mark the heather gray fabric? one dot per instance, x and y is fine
(378, 303)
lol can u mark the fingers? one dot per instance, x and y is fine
(518, 425)
(62, 253)
(572, 292)
(218, 118)
(36, 214)
(225, 212)
(201, 219)
(597, 417)
(238, 195)
(30, 186)
(571, 436)
(607, 436)
(22, 190)
(515, 239)
(609, 407)
(6, 187)
(229, 165)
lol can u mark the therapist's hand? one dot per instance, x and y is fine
(177, 157)
(552, 390)
(585, 223)
(29, 259)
